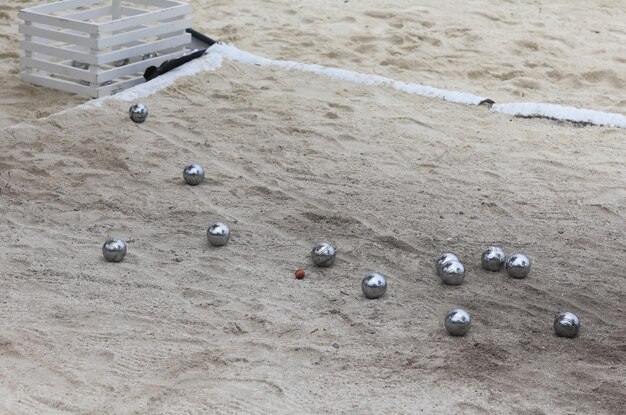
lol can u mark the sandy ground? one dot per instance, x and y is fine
(569, 52)
(292, 159)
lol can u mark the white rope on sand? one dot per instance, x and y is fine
(237, 55)
(526, 109)
(213, 61)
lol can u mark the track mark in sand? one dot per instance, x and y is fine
(235, 172)
(7, 350)
(337, 106)
(495, 18)
(505, 208)
(379, 14)
(409, 121)
(466, 407)
(527, 44)
(607, 212)
(269, 193)
(397, 243)
(229, 395)
(270, 386)
(10, 55)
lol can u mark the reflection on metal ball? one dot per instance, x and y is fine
(442, 259)
(452, 273)
(323, 254)
(374, 285)
(80, 65)
(114, 250)
(493, 258)
(121, 62)
(193, 174)
(150, 55)
(566, 324)
(138, 113)
(218, 234)
(458, 322)
(518, 266)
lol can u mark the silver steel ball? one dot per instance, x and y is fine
(114, 250)
(566, 324)
(80, 65)
(121, 62)
(150, 55)
(374, 285)
(138, 113)
(218, 234)
(193, 174)
(518, 266)
(452, 273)
(442, 259)
(458, 322)
(323, 254)
(493, 258)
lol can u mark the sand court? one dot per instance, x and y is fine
(293, 158)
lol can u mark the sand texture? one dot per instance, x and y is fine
(291, 159)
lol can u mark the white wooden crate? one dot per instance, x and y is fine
(100, 47)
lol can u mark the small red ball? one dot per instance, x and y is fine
(299, 273)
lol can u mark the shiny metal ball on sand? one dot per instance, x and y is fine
(138, 113)
(518, 266)
(442, 259)
(193, 174)
(374, 285)
(566, 324)
(323, 254)
(114, 250)
(493, 258)
(218, 234)
(458, 322)
(452, 272)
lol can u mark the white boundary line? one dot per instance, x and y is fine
(237, 55)
(527, 109)
(213, 61)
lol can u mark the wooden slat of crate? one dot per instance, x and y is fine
(90, 14)
(104, 91)
(61, 84)
(126, 37)
(64, 53)
(134, 68)
(129, 52)
(61, 22)
(130, 11)
(62, 36)
(61, 69)
(148, 17)
(159, 3)
(63, 5)
(44, 44)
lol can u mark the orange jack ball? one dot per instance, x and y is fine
(299, 273)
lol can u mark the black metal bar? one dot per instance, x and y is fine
(152, 72)
(201, 37)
